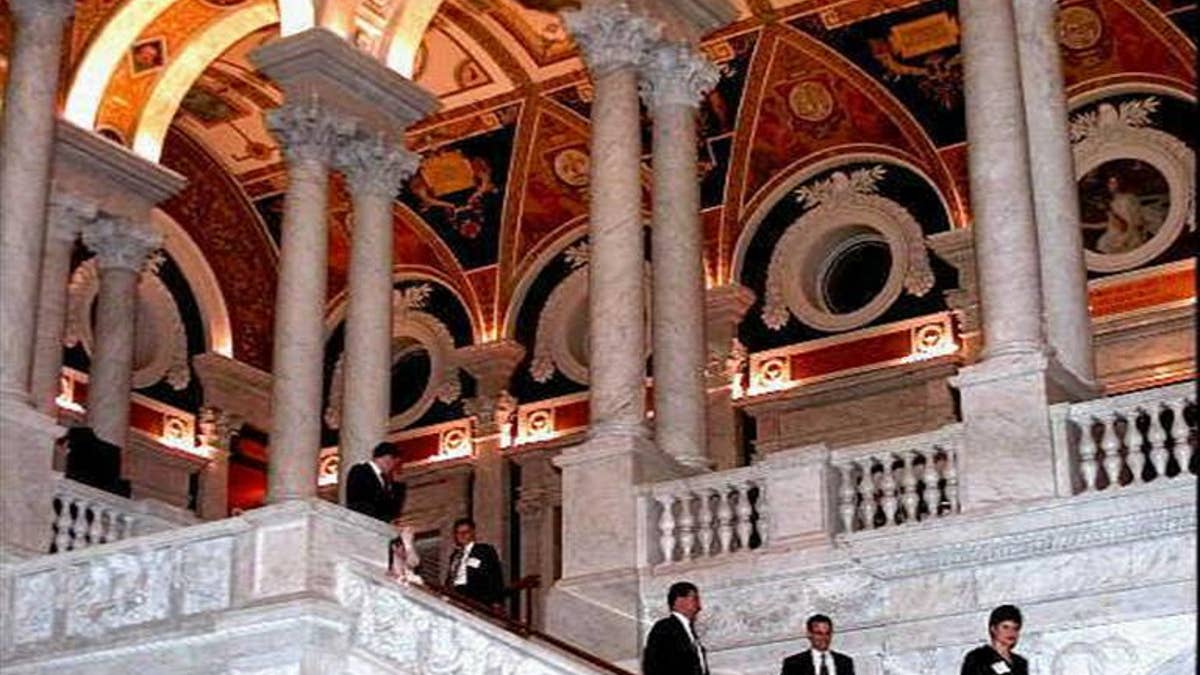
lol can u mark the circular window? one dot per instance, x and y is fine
(854, 273)
(411, 369)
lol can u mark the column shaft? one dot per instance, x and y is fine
(121, 250)
(61, 234)
(1055, 195)
(616, 303)
(1005, 237)
(375, 173)
(25, 178)
(675, 79)
(307, 134)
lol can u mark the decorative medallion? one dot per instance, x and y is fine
(810, 100)
(147, 56)
(571, 166)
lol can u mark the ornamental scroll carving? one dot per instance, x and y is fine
(105, 593)
(838, 207)
(412, 329)
(393, 626)
(1108, 135)
(161, 348)
(560, 344)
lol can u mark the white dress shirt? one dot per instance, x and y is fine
(460, 574)
(829, 663)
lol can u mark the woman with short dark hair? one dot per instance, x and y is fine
(997, 657)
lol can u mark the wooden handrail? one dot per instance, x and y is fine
(523, 629)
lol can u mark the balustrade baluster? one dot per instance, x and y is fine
(724, 520)
(1134, 441)
(744, 511)
(889, 501)
(128, 524)
(1112, 451)
(908, 478)
(705, 518)
(666, 527)
(686, 527)
(846, 495)
(924, 478)
(762, 513)
(95, 534)
(951, 474)
(866, 494)
(1088, 455)
(62, 525)
(1156, 435)
(1181, 435)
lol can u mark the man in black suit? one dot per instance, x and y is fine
(672, 647)
(820, 660)
(475, 567)
(369, 487)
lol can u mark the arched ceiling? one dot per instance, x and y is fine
(504, 177)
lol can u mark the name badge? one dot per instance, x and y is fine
(474, 563)
(1000, 667)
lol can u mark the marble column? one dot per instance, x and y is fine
(1006, 246)
(307, 133)
(215, 429)
(122, 249)
(613, 42)
(1005, 395)
(492, 365)
(1055, 194)
(725, 375)
(537, 500)
(375, 169)
(66, 220)
(675, 79)
(29, 116)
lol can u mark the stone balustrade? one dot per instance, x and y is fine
(294, 587)
(1127, 440)
(706, 516)
(898, 481)
(85, 516)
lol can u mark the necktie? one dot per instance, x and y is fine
(455, 560)
(824, 668)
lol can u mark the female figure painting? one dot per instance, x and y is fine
(1122, 205)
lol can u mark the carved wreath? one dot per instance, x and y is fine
(1110, 133)
(411, 323)
(159, 326)
(840, 205)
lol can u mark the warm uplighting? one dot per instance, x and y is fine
(408, 29)
(295, 16)
(185, 68)
(104, 56)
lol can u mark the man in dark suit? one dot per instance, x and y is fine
(369, 486)
(475, 567)
(820, 660)
(672, 647)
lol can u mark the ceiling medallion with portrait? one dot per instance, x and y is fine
(1136, 185)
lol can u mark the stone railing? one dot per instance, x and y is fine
(1128, 440)
(706, 516)
(898, 481)
(85, 516)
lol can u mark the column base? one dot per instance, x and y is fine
(1065, 385)
(1007, 454)
(27, 480)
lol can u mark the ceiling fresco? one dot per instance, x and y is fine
(503, 187)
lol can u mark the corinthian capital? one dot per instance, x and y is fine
(373, 166)
(677, 74)
(119, 244)
(307, 130)
(611, 36)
